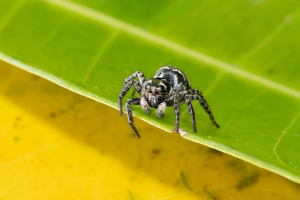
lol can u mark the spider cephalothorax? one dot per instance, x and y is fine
(168, 87)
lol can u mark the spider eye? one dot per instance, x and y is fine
(149, 91)
(157, 90)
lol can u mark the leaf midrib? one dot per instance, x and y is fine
(136, 31)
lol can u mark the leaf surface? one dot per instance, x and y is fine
(244, 63)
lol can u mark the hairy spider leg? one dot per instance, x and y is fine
(138, 74)
(138, 88)
(197, 95)
(125, 90)
(191, 111)
(177, 113)
(145, 105)
(161, 109)
(134, 101)
(128, 82)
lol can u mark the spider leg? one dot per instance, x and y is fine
(197, 95)
(125, 89)
(177, 113)
(128, 82)
(134, 101)
(137, 87)
(145, 105)
(191, 111)
(138, 74)
(161, 109)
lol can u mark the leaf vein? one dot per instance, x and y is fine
(283, 134)
(286, 21)
(264, 42)
(10, 15)
(213, 84)
(175, 47)
(100, 53)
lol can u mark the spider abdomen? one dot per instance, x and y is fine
(175, 77)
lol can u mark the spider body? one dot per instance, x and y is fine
(169, 87)
(175, 77)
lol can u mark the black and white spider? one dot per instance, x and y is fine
(168, 87)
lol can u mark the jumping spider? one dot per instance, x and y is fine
(168, 87)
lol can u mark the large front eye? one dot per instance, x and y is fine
(165, 89)
(157, 90)
(149, 91)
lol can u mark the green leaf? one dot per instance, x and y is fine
(242, 55)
